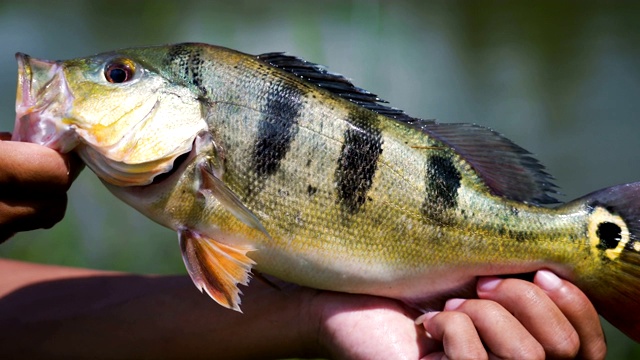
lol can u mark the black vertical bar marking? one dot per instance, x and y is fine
(358, 160)
(442, 183)
(277, 128)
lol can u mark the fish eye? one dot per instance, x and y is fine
(119, 71)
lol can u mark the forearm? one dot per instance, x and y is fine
(91, 314)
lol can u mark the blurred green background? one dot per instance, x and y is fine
(560, 78)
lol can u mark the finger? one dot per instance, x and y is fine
(577, 308)
(536, 312)
(31, 214)
(501, 332)
(457, 333)
(436, 356)
(31, 166)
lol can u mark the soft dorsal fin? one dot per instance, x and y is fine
(507, 169)
(332, 82)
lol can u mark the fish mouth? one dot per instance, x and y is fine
(42, 100)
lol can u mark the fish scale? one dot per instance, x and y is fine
(272, 162)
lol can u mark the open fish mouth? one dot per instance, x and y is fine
(42, 100)
(46, 115)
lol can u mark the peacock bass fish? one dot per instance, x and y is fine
(273, 163)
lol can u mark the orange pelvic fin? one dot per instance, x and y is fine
(216, 268)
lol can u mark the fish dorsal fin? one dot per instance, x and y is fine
(335, 83)
(507, 169)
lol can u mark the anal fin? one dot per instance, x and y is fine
(216, 268)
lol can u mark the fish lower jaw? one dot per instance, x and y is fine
(44, 130)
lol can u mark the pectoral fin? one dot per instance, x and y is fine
(211, 185)
(215, 267)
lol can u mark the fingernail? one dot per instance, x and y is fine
(423, 319)
(453, 304)
(488, 283)
(547, 280)
(426, 317)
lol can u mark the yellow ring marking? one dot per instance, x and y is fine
(601, 215)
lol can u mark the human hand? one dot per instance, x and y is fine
(549, 318)
(368, 327)
(33, 185)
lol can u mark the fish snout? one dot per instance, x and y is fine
(33, 76)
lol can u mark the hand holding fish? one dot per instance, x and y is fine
(33, 185)
(550, 318)
(100, 314)
(514, 319)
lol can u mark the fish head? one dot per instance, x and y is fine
(125, 118)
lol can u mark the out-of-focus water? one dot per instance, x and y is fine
(560, 78)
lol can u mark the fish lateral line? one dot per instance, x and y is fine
(427, 147)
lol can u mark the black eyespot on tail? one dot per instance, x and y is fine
(614, 285)
(609, 234)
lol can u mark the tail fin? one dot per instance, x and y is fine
(612, 281)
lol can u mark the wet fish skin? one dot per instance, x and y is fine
(274, 163)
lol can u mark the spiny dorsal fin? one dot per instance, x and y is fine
(507, 169)
(332, 82)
